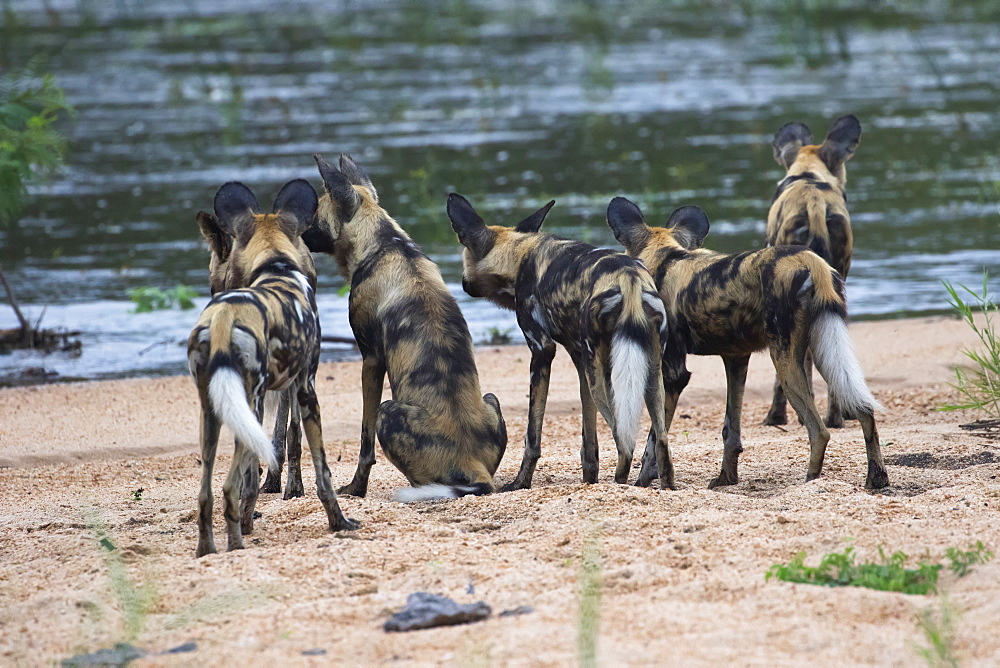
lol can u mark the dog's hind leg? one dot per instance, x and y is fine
(675, 378)
(372, 378)
(272, 483)
(656, 406)
(736, 380)
(251, 483)
(878, 477)
(232, 491)
(790, 370)
(541, 368)
(293, 442)
(778, 413)
(209, 444)
(314, 436)
(410, 443)
(588, 416)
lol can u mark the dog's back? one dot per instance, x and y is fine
(810, 205)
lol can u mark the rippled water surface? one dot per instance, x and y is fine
(510, 103)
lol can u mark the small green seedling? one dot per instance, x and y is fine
(137, 494)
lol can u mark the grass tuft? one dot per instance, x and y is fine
(978, 383)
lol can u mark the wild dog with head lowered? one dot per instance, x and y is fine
(786, 299)
(260, 338)
(810, 209)
(600, 305)
(287, 433)
(438, 430)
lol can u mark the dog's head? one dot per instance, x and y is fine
(686, 229)
(493, 254)
(350, 202)
(257, 237)
(794, 150)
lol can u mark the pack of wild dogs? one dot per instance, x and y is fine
(628, 321)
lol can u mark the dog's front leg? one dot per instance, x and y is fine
(541, 367)
(736, 380)
(372, 378)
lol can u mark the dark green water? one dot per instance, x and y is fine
(510, 103)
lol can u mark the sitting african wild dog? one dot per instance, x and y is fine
(786, 299)
(810, 209)
(438, 430)
(286, 433)
(602, 306)
(255, 339)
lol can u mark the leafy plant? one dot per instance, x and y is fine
(497, 337)
(889, 573)
(148, 298)
(962, 560)
(979, 383)
(30, 146)
(136, 494)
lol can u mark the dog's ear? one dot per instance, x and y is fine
(298, 199)
(469, 227)
(318, 238)
(220, 243)
(342, 193)
(234, 200)
(788, 140)
(356, 175)
(840, 142)
(533, 223)
(690, 226)
(626, 220)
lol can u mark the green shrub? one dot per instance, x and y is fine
(889, 573)
(149, 298)
(979, 383)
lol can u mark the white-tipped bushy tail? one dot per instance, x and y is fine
(833, 353)
(229, 401)
(435, 491)
(629, 371)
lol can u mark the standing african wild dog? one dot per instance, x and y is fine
(602, 306)
(438, 430)
(286, 433)
(786, 299)
(810, 209)
(255, 339)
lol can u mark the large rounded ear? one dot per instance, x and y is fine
(318, 238)
(788, 140)
(626, 220)
(232, 201)
(356, 175)
(298, 198)
(690, 226)
(220, 243)
(840, 142)
(533, 223)
(469, 227)
(342, 193)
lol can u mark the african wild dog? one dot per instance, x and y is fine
(438, 430)
(287, 434)
(600, 305)
(263, 337)
(810, 209)
(786, 299)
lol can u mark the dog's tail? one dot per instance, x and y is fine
(436, 491)
(830, 342)
(622, 311)
(231, 350)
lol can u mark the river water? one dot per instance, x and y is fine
(510, 103)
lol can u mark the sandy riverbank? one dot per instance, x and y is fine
(682, 571)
